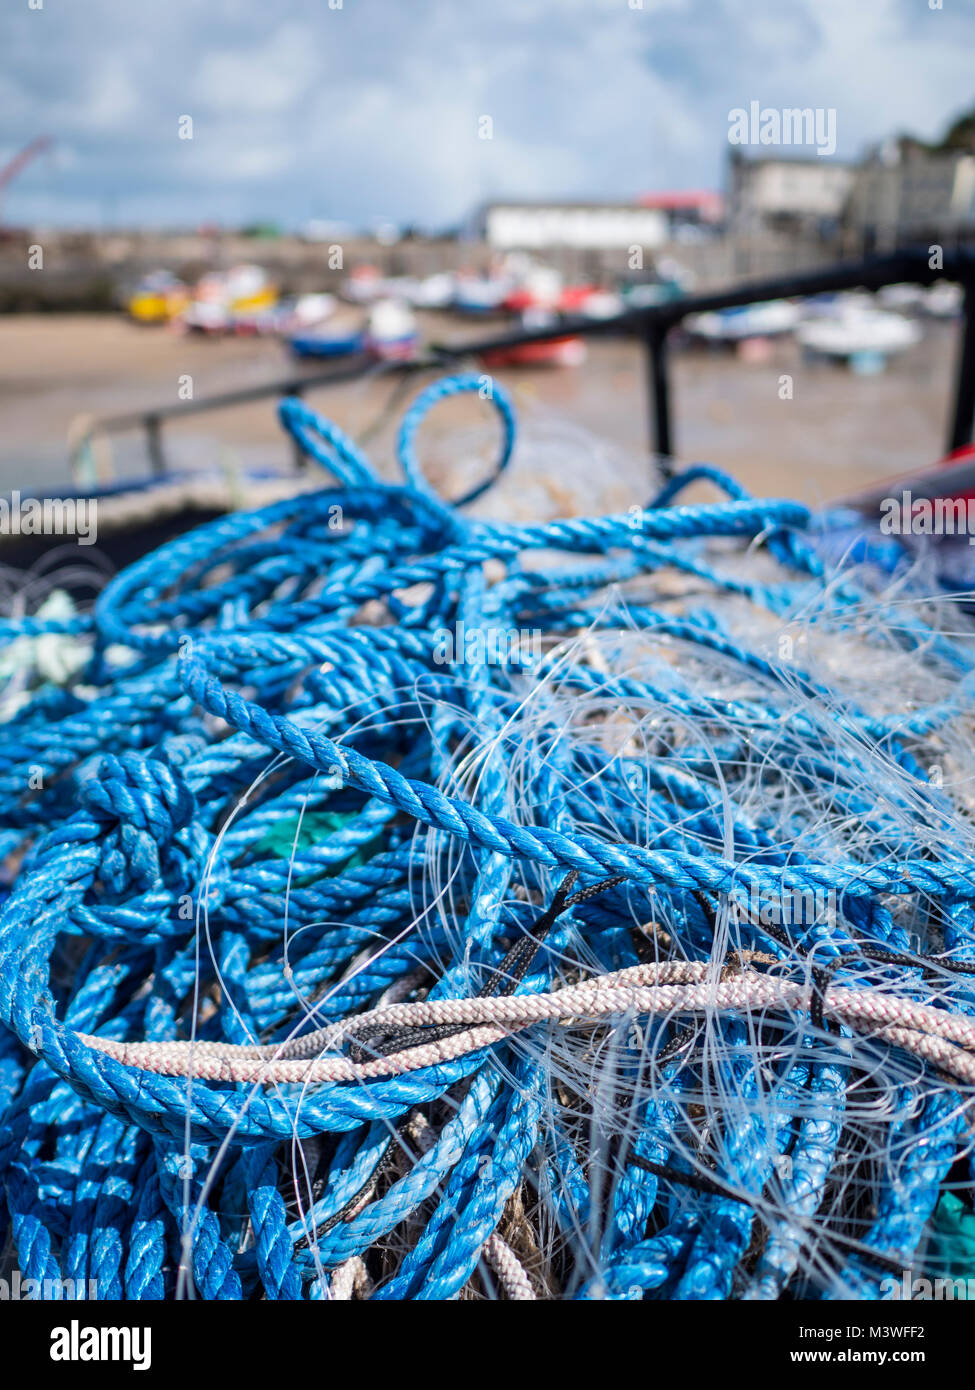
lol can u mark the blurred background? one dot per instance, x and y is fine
(197, 199)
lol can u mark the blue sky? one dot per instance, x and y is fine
(371, 110)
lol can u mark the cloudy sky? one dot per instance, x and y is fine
(371, 109)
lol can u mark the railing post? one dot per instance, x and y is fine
(154, 442)
(298, 455)
(655, 342)
(963, 421)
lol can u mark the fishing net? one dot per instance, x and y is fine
(402, 905)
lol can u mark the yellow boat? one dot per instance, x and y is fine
(231, 301)
(160, 298)
(249, 295)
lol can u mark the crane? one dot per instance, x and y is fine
(21, 160)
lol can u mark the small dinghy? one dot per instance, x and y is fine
(326, 342)
(568, 351)
(480, 295)
(159, 298)
(391, 331)
(296, 315)
(771, 319)
(344, 338)
(860, 335)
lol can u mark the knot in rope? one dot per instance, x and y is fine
(154, 841)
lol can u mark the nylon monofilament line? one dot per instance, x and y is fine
(405, 904)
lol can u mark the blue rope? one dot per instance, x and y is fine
(176, 875)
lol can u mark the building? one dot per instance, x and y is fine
(699, 210)
(799, 195)
(525, 226)
(907, 194)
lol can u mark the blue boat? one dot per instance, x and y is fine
(325, 342)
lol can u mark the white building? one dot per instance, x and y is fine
(586, 226)
(780, 191)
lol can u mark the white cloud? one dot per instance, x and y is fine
(300, 110)
(266, 76)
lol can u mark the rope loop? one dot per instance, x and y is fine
(481, 385)
(322, 440)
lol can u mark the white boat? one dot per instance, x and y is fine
(207, 316)
(312, 308)
(901, 298)
(770, 319)
(367, 286)
(391, 330)
(480, 294)
(364, 286)
(858, 331)
(837, 306)
(296, 314)
(943, 300)
(230, 299)
(432, 291)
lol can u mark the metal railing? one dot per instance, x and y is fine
(652, 324)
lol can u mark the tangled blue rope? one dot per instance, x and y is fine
(270, 802)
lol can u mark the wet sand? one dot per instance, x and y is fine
(838, 432)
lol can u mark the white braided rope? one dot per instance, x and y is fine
(349, 1278)
(509, 1269)
(932, 1033)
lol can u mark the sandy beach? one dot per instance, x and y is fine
(837, 433)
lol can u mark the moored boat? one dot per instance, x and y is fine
(391, 330)
(328, 341)
(159, 298)
(771, 319)
(565, 351)
(859, 334)
(479, 295)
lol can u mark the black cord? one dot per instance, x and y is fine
(377, 1041)
(714, 1187)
